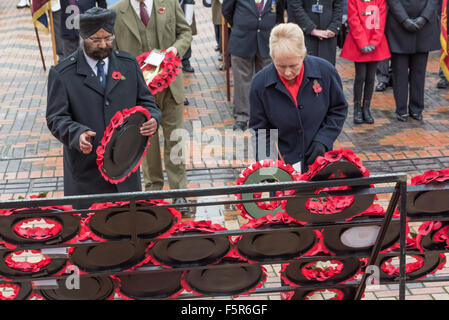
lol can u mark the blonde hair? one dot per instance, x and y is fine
(289, 38)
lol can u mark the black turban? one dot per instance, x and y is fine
(94, 19)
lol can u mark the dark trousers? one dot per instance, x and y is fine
(365, 74)
(185, 59)
(409, 75)
(217, 29)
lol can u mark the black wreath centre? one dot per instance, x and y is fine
(155, 285)
(192, 251)
(147, 221)
(90, 288)
(224, 281)
(276, 245)
(108, 256)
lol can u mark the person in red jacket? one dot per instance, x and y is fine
(365, 44)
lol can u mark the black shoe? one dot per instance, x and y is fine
(220, 57)
(367, 117)
(217, 48)
(188, 68)
(442, 84)
(186, 102)
(403, 117)
(220, 67)
(239, 125)
(416, 116)
(381, 86)
(358, 115)
(23, 4)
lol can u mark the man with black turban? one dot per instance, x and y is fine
(83, 97)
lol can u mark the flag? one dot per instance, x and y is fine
(444, 59)
(39, 10)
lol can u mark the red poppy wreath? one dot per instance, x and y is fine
(159, 77)
(122, 147)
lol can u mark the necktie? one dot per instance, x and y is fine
(259, 4)
(100, 73)
(144, 14)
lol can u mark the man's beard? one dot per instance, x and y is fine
(97, 53)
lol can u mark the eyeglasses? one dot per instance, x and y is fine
(97, 41)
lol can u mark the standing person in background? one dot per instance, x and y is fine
(186, 66)
(70, 11)
(412, 31)
(158, 24)
(251, 23)
(383, 74)
(56, 12)
(320, 20)
(216, 20)
(365, 45)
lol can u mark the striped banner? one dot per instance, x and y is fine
(39, 10)
(444, 59)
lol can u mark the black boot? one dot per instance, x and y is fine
(358, 116)
(367, 118)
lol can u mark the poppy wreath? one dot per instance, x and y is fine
(206, 251)
(36, 228)
(431, 201)
(117, 120)
(321, 271)
(9, 291)
(422, 266)
(322, 209)
(289, 244)
(168, 71)
(432, 235)
(282, 172)
(14, 260)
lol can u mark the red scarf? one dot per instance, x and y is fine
(293, 88)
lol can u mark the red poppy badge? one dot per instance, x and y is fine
(317, 87)
(116, 75)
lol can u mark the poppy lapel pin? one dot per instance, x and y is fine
(161, 10)
(317, 87)
(116, 75)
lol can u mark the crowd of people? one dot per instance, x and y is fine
(283, 55)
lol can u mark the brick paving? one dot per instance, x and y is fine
(31, 162)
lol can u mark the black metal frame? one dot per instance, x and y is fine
(398, 191)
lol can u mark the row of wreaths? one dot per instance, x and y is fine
(148, 220)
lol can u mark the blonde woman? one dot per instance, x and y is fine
(301, 96)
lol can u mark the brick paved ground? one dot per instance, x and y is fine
(30, 158)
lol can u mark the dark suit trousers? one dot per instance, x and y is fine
(409, 74)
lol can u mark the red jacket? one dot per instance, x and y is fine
(366, 19)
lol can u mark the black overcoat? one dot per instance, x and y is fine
(404, 42)
(318, 117)
(77, 102)
(300, 12)
(250, 31)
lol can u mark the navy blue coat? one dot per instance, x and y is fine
(67, 14)
(317, 117)
(250, 31)
(77, 102)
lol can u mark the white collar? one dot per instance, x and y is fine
(93, 63)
